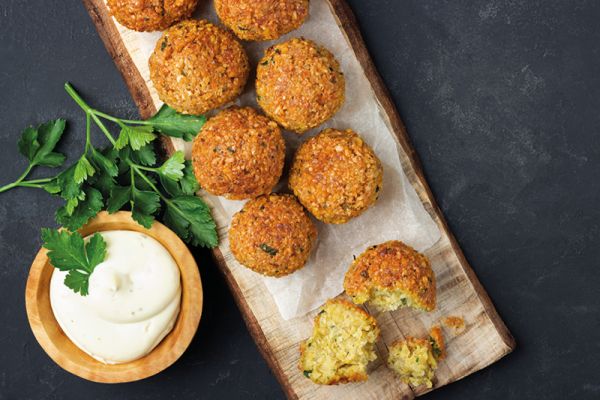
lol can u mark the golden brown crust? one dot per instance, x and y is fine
(151, 15)
(238, 154)
(437, 342)
(262, 19)
(272, 235)
(366, 330)
(299, 84)
(197, 66)
(336, 176)
(388, 267)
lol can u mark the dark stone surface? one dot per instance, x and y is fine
(502, 102)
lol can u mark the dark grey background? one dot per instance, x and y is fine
(502, 102)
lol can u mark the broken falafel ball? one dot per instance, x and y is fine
(391, 275)
(341, 346)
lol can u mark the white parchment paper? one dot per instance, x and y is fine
(398, 214)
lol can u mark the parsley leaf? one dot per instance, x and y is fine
(104, 163)
(68, 183)
(187, 185)
(83, 170)
(119, 196)
(106, 170)
(173, 168)
(68, 252)
(75, 217)
(37, 144)
(65, 181)
(134, 136)
(190, 218)
(169, 122)
(145, 156)
(144, 204)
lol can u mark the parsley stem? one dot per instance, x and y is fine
(34, 181)
(18, 181)
(103, 128)
(119, 121)
(88, 140)
(149, 169)
(136, 168)
(89, 111)
(75, 96)
(31, 185)
(168, 202)
(105, 116)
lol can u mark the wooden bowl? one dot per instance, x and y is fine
(53, 340)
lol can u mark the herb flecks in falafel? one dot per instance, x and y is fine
(238, 154)
(198, 66)
(150, 15)
(272, 235)
(262, 19)
(299, 84)
(336, 175)
(341, 346)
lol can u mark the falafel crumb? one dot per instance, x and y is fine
(438, 346)
(415, 360)
(454, 324)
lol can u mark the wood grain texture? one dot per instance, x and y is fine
(58, 346)
(486, 338)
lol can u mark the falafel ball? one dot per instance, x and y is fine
(391, 275)
(238, 154)
(262, 19)
(150, 15)
(341, 346)
(299, 84)
(336, 175)
(197, 66)
(272, 235)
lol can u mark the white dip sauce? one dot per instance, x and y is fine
(132, 304)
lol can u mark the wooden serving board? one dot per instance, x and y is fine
(486, 338)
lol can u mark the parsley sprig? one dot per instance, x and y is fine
(185, 213)
(126, 175)
(68, 252)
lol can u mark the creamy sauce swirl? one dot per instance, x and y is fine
(133, 301)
